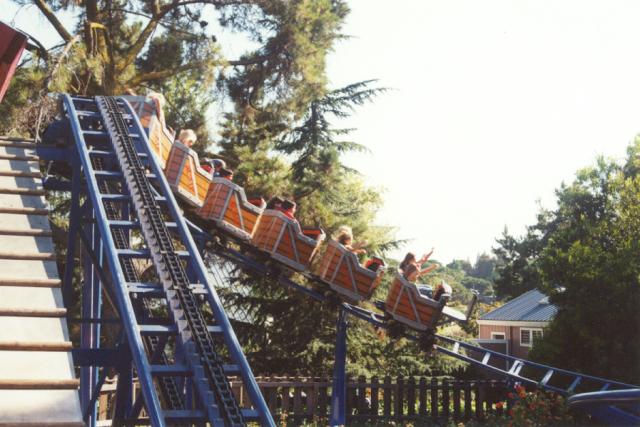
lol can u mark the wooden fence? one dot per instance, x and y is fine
(368, 400)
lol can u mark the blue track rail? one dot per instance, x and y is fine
(206, 353)
(616, 407)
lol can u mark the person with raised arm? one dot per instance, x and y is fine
(410, 259)
(412, 269)
(345, 238)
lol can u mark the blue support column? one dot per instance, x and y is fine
(339, 389)
(90, 332)
(124, 387)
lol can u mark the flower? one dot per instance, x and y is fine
(499, 405)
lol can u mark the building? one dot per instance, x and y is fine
(511, 329)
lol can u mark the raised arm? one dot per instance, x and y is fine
(428, 269)
(425, 257)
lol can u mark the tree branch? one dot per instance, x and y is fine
(158, 14)
(162, 24)
(51, 16)
(211, 2)
(163, 74)
(249, 61)
(142, 40)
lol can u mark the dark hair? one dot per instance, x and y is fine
(224, 172)
(408, 258)
(274, 203)
(409, 269)
(288, 204)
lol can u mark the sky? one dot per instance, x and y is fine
(492, 104)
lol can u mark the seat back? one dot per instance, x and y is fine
(145, 109)
(185, 176)
(283, 239)
(226, 204)
(341, 269)
(405, 304)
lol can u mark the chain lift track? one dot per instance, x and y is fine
(180, 272)
(166, 260)
(168, 385)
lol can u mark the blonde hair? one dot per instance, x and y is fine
(187, 135)
(344, 233)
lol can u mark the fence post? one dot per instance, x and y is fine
(480, 385)
(411, 397)
(351, 402)
(363, 407)
(467, 400)
(423, 398)
(312, 398)
(399, 407)
(456, 400)
(446, 401)
(387, 396)
(434, 397)
(297, 400)
(374, 400)
(272, 397)
(286, 405)
(322, 399)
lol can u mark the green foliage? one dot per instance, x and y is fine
(483, 286)
(479, 277)
(590, 246)
(532, 409)
(517, 269)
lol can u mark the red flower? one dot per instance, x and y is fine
(499, 405)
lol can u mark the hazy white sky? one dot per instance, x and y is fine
(494, 104)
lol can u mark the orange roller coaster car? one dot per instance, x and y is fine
(144, 107)
(407, 305)
(161, 140)
(226, 204)
(340, 269)
(285, 241)
(185, 175)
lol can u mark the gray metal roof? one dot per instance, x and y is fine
(532, 306)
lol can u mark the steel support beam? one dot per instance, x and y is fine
(339, 388)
